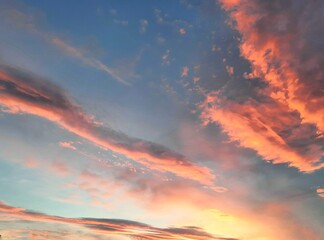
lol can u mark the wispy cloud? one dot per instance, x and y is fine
(143, 25)
(29, 23)
(166, 57)
(90, 61)
(27, 93)
(104, 226)
(67, 145)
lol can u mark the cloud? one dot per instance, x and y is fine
(267, 127)
(281, 40)
(182, 31)
(60, 168)
(185, 71)
(29, 23)
(67, 145)
(31, 163)
(230, 70)
(27, 93)
(108, 226)
(143, 25)
(280, 111)
(166, 57)
(90, 61)
(320, 192)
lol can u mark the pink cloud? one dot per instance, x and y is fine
(280, 53)
(67, 145)
(259, 127)
(185, 71)
(36, 96)
(182, 31)
(31, 163)
(60, 168)
(110, 226)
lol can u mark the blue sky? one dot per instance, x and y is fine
(184, 117)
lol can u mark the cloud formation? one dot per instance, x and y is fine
(24, 92)
(90, 61)
(29, 23)
(104, 226)
(284, 48)
(267, 127)
(279, 40)
(282, 116)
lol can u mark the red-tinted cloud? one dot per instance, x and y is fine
(269, 128)
(284, 119)
(281, 39)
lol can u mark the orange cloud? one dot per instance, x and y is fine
(261, 127)
(27, 93)
(277, 40)
(284, 121)
(67, 145)
(110, 226)
(320, 192)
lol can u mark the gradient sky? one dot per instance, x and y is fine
(189, 119)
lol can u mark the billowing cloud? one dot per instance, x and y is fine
(131, 229)
(24, 92)
(282, 41)
(282, 116)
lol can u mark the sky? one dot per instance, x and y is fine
(151, 120)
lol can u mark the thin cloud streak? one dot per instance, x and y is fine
(111, 226)
(29, 23)
(77, 53)
(27, 93)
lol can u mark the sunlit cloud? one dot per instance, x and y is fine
(30, 94)
(282, 54)
(261, 127)
(109, 226)
(185, 71)
(67, 145)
